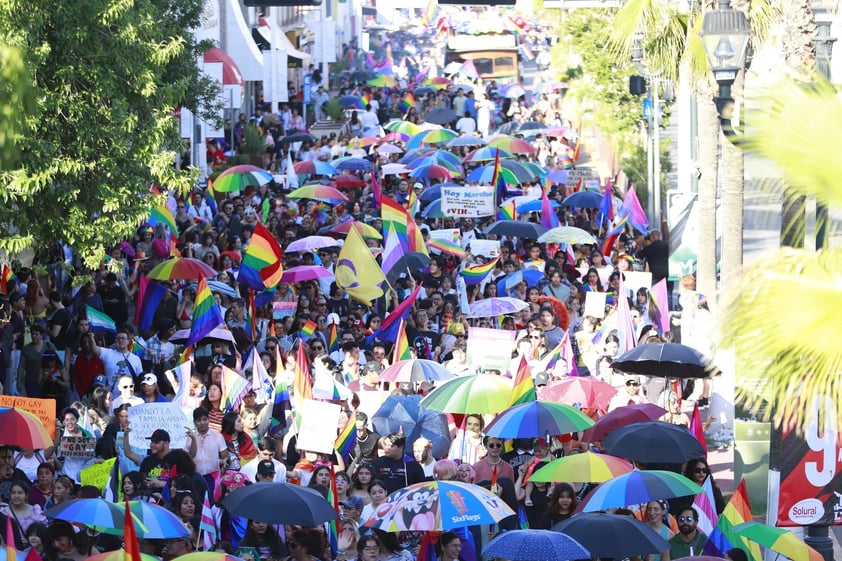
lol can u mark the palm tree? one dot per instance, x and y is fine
(783, 315)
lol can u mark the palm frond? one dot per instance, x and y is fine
(666, 48)
(636, 16)
(783, 322)
(695, 51)
(762, 14)
(797, 126)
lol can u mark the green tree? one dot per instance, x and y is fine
(108, 75)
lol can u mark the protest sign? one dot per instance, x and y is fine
(44, 409)
(588, 176)
(370, 401)
(282, 310)
(468, 202)
(146, 418)
(77, 446)
(490, 349)
(451, 235)
(486, 248)
(318, 426)
(595, 304)
(97, 474)
(637, 279)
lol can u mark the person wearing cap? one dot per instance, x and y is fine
(368, 380)
(154, 465)
(266, 448)
(630, 394)
(265, 472)
(352, 508)
(149, 387)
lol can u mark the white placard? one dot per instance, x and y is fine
(318, 426)
(146, 418)
(490, 349)
(595, 304)
(486, 248)
(468, 202)
(637, 279)
(370, 402)
(449, 235)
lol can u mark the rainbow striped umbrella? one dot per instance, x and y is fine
(538, 419)
(160, 523)
(638, 487)
(241, 177)
(432, 136)
(383, 81)
(433, 171)
(485, 174)
(512, 144)
(438, 505)
(401, 127)
(479, 393)
(181, 268)
(779, 540)
(582, 468)
(93, 512)
(314, 167)
(455, 169)
(119, 555)
(397, 136)
(319, 192)
(23, 429)
(415, 370)
(486, 154)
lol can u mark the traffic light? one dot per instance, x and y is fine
(637, 85)
(282, 2)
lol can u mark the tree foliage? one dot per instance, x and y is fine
(108, 75)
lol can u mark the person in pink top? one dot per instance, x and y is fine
(493, 461)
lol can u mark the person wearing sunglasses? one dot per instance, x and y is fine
(697, 470)
(689, 540)
(631, 394)
(493, 462)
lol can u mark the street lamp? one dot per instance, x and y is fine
(725, 34)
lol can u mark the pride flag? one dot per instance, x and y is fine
(307, 330)
(6, 276)
(301, 385)
(497, 179)
(100, 322)
(508, 210)
(162, 214)
(723, 537)
(261, 266)
(659, 297)
(549, 218)
(448, 247)
(210, 196)
(401, 350)
(637, 216)
(477, 273)
(234, 387)
(388, 330)
(408, 101)
(606, 207)
(130, 543)
(206, 314)
(524, 388)
(280, 405)
(395, 217)
(346, 440)
(207, 525)
(333, 339)
(613, 234)
(393, 253)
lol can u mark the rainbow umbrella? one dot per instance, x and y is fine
(512, 144)
(23, 429)
(431, 136)
(779, 540)
(485, 174)
(432, 160)
(447, 247)
(160, 523)
(437, 156)
(432, 171)
(438, 505)
(241, 177)
(362, 229)
(350, 163)
(397, 136)
(638, 487)
(401, 127)
(119, 555)
(538, 419)
(314, 167)
(181, 268)
(319, 192)
(439, 82)
(485, 154)
(383, 81)
(389, 149)
(93, 512)
(415, 370)
(207, 556)
(479, 393)
(582, 468)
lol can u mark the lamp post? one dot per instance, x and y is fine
(824, 48)
(725, 34)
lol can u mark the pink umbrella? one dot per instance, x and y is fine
(311, 243)
(468, 69)
(584, 391)
(389, 149)
(304, 273)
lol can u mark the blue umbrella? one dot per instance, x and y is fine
(93, 512)
(351, 101)
(638, 487)
(535, 545)
(351, 164)
(404, 412)
(558, 176)
(467, 141)
(433, 211)
(424, 90)
(487, 154)
(534, 206)
(583, 199)
(537, 419)
(531, 276)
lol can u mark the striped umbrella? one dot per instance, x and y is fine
(241, 177)
(513, 145)
(181, 268)
(582, 468)
(119, 555)
(93, 512)
(779, 540)
(314, 167)
(638, 487)
(318, 192)
(23, 429)
(538, 419)
(480, 393)
(159, 522)
(402, 127)
(415, 370)
(486, 154)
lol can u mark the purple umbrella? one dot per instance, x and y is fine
(304, 273)
(499, 306)
(311, 243)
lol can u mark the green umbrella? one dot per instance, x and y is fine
(479, 393)
(779, 540)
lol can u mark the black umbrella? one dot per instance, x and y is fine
(612, 535)
(653, 442)
(298, 137)
(517, 228)
(507, 128)
(440, 116)
(665, 360)
(404, 412)
(531, 126)
(280, 503)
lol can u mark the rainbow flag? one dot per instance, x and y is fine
(261, 266)
(333, 339)
(606, 206)
(307, 330)
(280, 405)
(210, 196)
(234, 387)
(376, 193)
(497, 179)
(206, 314)
(388, 330)
(333, 525)
(131, 544)
(578, 145)
(401, 350)
(613, 234)
(508, 211)
(477, 273)
(365, 99)
(301, 385)
(346, 440)
(6, 276)
(163, 214)
(408, 101)
(395, 217)
(524, 388)
(100, 322)
(448, 247)
(723, 537)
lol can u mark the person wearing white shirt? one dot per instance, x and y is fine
(370, 122)
(125, 386)
(263, 461)
(119, 360)
(207, 447)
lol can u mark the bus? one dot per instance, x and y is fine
(495, 55)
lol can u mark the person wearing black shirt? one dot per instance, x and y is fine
(366, 444)
(656, 255)
(394, 468)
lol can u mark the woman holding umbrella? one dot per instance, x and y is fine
(655, 513)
